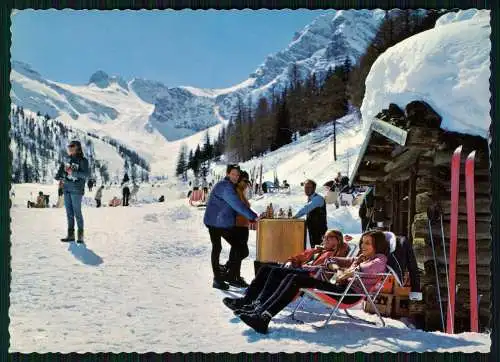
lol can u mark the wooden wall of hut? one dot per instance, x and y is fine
(434, 174)
(422, 170)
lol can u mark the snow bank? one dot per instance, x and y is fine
(447, 67)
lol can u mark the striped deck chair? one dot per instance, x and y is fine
(369, 296)
(196, 198)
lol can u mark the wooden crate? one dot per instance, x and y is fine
(384, 305)
(279, 239)
(402, 291)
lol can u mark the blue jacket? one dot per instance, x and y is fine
(74, 183)
(314, 201)
(223, 205)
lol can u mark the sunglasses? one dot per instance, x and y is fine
(71, 146)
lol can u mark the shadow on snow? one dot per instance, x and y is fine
(86, 256)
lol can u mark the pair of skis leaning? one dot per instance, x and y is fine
(434, 213)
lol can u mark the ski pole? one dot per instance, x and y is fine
(437, 274)
(445, 264)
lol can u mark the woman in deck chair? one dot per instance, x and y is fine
(372, 260)
(269, 277)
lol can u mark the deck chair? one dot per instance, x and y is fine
(196, 198)
(369, 296)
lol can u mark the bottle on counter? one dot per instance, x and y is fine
(271, 210)
(281, 213)
(290, 214)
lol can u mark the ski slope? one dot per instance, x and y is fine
(311, 156)
(143, 283)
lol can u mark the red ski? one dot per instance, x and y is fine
(455, 186)
(471, 231)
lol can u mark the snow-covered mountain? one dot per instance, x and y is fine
(181, 111)
(447, 66)
(323, 44)
(31, 91)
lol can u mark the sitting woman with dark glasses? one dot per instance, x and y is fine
(269, 277)
(371, 260)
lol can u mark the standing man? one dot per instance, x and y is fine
(98, 196)
(315, 209)
(125, 190)
(220, 216)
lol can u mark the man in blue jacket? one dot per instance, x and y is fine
(220, 214)
(315, 209)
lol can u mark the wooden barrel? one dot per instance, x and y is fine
(279, 239)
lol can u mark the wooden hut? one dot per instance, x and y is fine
(406, 158)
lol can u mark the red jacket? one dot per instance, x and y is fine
(320, 254)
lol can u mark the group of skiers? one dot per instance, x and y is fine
(228, 215)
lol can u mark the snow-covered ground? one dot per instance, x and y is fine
(447, 67)
(143, 283)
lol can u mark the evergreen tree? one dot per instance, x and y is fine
(208, 149)
(283, 133)
(197, 161)
(182, 163)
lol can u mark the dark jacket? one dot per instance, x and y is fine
(366, 204)
(316, 220)
(74, 183)
(403, 259)
(223, 205)
(316, 214)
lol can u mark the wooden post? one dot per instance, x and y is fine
(335, 140)
(401, 208)
(395, 208)
(412, 194)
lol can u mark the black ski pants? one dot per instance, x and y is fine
(238, 252)
(268, 280)
(126, 196)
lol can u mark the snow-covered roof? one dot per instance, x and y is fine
(448, 67)
(395, 134)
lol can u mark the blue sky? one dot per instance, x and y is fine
(207, 49)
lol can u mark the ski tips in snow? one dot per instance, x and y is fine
(458, 149)
(471, 155)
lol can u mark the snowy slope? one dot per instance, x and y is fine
(311, 156)
(143, 283)
(38, 145)
(448, 67)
